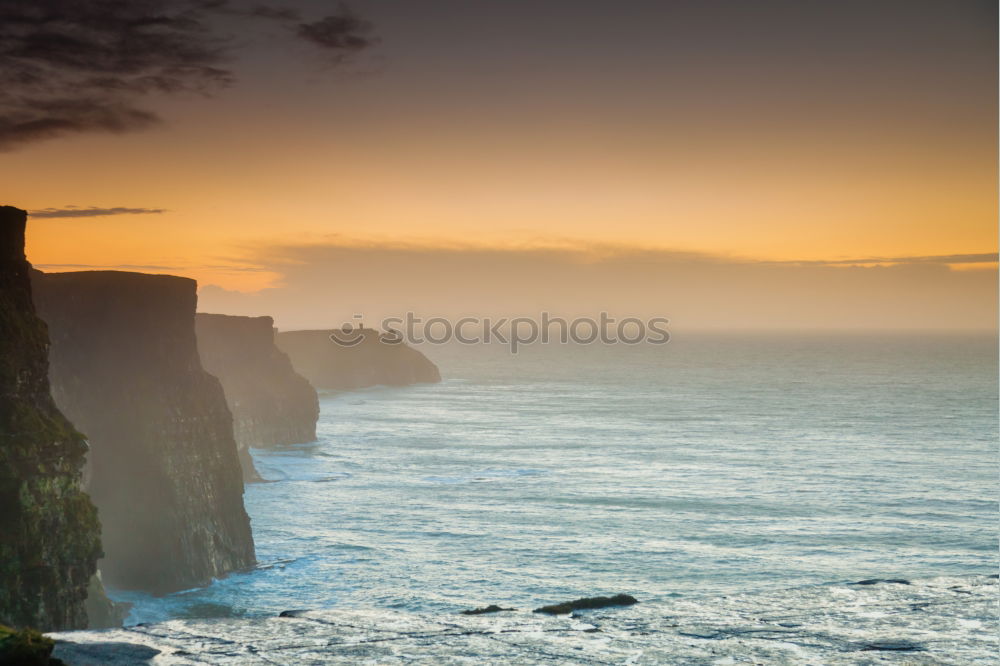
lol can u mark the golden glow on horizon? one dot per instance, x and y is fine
(789, 167)
(803, 202)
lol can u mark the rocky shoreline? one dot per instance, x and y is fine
(948, 620)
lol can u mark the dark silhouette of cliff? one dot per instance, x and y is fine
(49, 541)
(270, 403)
(163, 467)
(370, 362)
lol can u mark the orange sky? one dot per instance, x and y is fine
(850, 145)
(808, 196)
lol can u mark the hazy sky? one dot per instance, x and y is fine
(677, 149)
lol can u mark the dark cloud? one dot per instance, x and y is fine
(69, 66)
(148, 267)
(101, 267)
(74, 211)
(342, 34)
(277, 13)
(39, 119)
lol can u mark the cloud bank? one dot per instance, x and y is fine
(325, 285)
(980, 258)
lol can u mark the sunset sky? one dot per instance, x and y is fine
(520, 154)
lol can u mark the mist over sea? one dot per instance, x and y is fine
(714, 464)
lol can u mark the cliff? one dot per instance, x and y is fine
(371, 362)
(163, 468)
(49, 541)
(270, 403)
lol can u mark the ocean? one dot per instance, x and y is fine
(714, 465)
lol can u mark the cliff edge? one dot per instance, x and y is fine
(49, 541)
(270, 403)
(163, 467)
(370, 362)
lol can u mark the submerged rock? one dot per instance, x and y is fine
(163, 466)
(876, 581)
(892, 646)
(587, 603)
(49, 541)
(371, 361)
(270, 403)
(113, 653)
(492, 608)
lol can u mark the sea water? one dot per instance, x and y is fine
(715, 464)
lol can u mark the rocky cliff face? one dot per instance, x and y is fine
(372, 361)
(163, 467)
(270, 403)
(49, 541)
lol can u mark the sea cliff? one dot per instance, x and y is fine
(49, 541)
(270, 403)
(163, 467)
(369, 362)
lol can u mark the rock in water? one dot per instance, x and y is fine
(892, 646)
(49, 541)
(370, 362)
(486, 610)
(587, 603)
(163, 466)
(270, 403)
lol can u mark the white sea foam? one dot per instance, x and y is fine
(936, 621)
